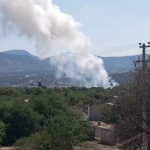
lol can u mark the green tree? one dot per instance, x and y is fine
(2, 131)
(20, 119)
(64, 132)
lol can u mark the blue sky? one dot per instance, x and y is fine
(107, 24)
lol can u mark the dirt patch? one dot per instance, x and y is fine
(6, 148)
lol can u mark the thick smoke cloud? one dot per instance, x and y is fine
(43, 21)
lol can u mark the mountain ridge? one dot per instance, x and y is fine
(23, 60)
(19, 52)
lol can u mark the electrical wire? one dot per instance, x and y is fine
(88, 54)
(109, 49)
(112, 48)
(80, 57)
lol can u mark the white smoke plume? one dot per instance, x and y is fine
(43, 21)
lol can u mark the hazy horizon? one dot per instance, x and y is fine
(105, 24)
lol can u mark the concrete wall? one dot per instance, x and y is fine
(105, 135)
(77, 111)
(95, 113)
(97, 133)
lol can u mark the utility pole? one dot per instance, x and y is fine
(144, 64)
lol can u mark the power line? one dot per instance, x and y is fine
(110, 48)
(113, 48)
(84, 54)
(88, 55)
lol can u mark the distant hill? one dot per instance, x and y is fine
(17, 52)
(14, 61)
(118, 64)
(21, 60)
(20, 53)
